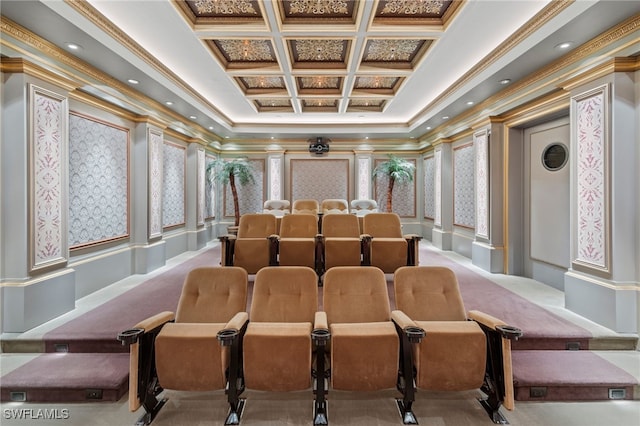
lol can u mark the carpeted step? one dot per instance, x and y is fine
(568, 376)
(68, 377)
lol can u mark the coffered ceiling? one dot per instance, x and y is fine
(292, 69)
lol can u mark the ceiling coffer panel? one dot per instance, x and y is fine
(273, 105)
(320, 105)
(324, 54)
(244, 53)
(221, 12)
(415, 12)
(380, 85)
(394, 53)
(359, 105)
(319, 85)
(259, 85)
(318, 12)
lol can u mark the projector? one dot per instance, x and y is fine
(318, 146)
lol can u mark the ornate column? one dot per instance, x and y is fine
(195, 196)
(488, 246)
(36, 284)
(363, 169)
(603, 283)
(442, 233)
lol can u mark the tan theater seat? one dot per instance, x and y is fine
(306, 206)
(251, 248)
(454, 354)
(298, 242)
(186, 354)
(334, 205)
(389, 249)
(341, 241)
(277, 346)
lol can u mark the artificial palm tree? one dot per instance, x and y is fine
(228, 171)
(396, 170)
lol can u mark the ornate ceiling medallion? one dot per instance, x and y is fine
(376, 82)
(273, 105)
(314, 12)
(319, 105)
(261, 84)
(394, 53)
(319, 53)
(319, 85)
(223, 7)
(412, 7)
(243, 53)
(366, 105)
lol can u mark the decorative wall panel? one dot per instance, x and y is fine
(437, 190)
(275, 183)
(173, 188)
(481, 146)
(156, 162)
(319, 179)
(201, 187)
(404, 195)
(98, 181)
(48, 242)
(592, 181)
(429, 187)
(463, 186)
(364, 178)
(251, 196)
(210, 191)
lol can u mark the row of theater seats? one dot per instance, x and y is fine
(286, 344)
(359, 207)
(260, 243)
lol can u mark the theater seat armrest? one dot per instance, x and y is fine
(238, 321)
(320, 321)
(407, 325)
(412, 237)
(493, 323)
(227, 238)
(274, 237)
(130, 336)
(320, 334)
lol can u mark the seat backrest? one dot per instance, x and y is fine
(334, 205)
(276, 207)
(299, 226)
(284, 294)
(340, 225)
(306, 206)
(256, 225)
(428, 293)
(213, 294)
(382, 225)
(355, 294)
(362, 207)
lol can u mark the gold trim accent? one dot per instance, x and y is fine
(22, 66)
(614, 65)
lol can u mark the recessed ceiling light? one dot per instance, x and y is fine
(210, 127)
(272, 137)
(428, 127)
(133, 81)
(226, 137)
(193, 117)
(366, 137)
(169, 103)
(74, 46)
(445, 117)
(564, 45)
(470, 102)
(505, 81)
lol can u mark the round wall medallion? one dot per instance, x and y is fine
(555, 156)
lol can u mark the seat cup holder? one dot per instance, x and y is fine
(321, 336)
(128, 337)
(414, 333)
(509, 331)
(227, 336)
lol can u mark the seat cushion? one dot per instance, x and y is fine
(251, 254)
(388, 254)
(451, 357)
(277, 356)
(364, 356)
(189, 357)
(297, 252)
(342, 251)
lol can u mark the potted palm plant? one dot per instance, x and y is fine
(237, 170)
(396, 170)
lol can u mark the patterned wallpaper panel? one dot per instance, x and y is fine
(173, 185)
(481, 144)
(429, 187)
(251, 196)
(404, 195)
(209, 192)
(156, 151)
(463, 186)
(319, 179)
(437, 190)
(592, 246)
(98, 181)
(48, 240)
(200, 214)
(275, 183)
